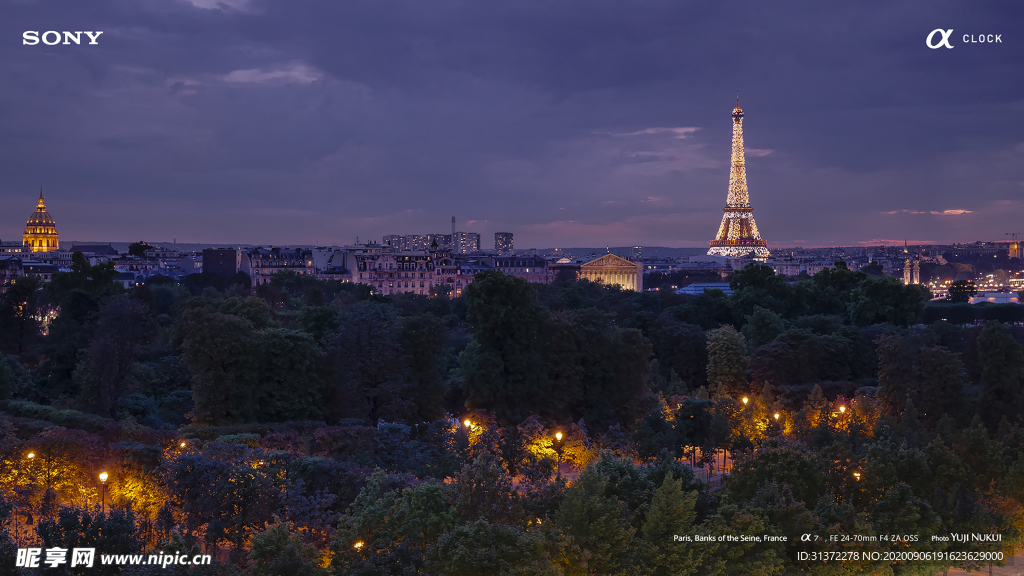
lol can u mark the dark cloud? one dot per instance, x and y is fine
(574, 122)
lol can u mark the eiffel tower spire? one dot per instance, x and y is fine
(738, 235)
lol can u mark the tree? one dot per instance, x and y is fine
(139, 249)
(220, 350)
(19, 324)
(484, 549)
(503, 366)
(680, 347)
(365, 356)
(727, 362)
(390, 529)
(962, 291)
(672, 512)
(114, 532)
(7, 548)
(318, 321)
(279, 551)
(597, 535)
(1002, 373)
(8, 382)
(104, 375)
(886, 299)
(425, 347)
(762, 327)
(596, 371)
(288, 388)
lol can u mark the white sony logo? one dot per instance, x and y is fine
(52, 37)
(945, 39)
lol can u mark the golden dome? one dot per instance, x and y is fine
(40, 231)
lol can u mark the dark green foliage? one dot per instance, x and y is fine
(962, 291)
(727, 362)
(596, 371)
(598, 526)
(367, 377)
(19, 326)
(393, 526)
(681, 348)
(8, 382)
(112, 533)
(7, 546)
(484, 549)
(245, 374)
(503, 366)
(762, 327)
(318, 321)
(1002, 373)
(280, 551)
(138, 249)
(886, 299)
(105, 373)
(785, 463)
(425, 347)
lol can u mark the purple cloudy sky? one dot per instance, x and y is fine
(568, 122)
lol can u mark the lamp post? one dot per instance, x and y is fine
(103, 492)
(558, 450)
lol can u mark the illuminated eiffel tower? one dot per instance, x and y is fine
(737, 235)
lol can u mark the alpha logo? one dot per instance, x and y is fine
(943, 42)
(52, 37)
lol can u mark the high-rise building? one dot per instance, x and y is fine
(636, 253)
(503, 243)
(466, 242)
(737, 235)
(40, 231)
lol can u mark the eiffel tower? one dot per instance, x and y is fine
(737, 235)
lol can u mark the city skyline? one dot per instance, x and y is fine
(260, 123)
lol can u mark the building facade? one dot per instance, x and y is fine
(533, 270)
(262, 263)
(224, 262)
(612, 270)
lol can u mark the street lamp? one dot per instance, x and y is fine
(776, 416)
(467, 422)
(842, 409)
(558, 450)
(745, 400)
(103, 492)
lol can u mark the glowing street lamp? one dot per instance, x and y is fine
(358, 544)
(103, 492)
(467, 422)
(842, 409)
(776, 416)
(745, 400)
(558, 450)
(31, 455)
(857, 475)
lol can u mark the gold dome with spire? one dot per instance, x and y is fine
(40, 232)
